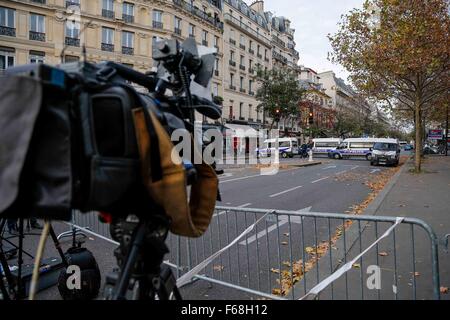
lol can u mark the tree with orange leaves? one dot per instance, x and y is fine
(398, 51)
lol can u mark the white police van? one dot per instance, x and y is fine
(354, 147)
(325, 145)
(287, 147)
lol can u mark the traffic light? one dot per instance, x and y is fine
(311, 117)
(277, 114)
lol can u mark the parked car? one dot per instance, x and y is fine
(386, 152)
(408, 147)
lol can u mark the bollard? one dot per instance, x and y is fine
(310, 156)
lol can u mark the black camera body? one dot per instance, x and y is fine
(80, 149)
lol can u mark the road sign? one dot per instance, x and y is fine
(435, 134)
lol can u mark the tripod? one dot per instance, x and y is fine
(16, 288)
(142, 270)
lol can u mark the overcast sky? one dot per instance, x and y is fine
(313, 20)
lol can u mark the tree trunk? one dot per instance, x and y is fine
(418, 144)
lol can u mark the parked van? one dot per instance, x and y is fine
(325, 145)
(288, 147)
(386, 151)
(354, 147)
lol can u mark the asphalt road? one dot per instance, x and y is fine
(333, 186)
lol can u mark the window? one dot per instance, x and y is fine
(127, 39)
(241, 82)
(191, 31)
(37, 23)
(241, 107)
(107, 35)
(157, 15)
(216, 65)
(177, 24)
(250, 85)
(108, 5)
(68, 58)
(361, 145)
(72, 29)
(205, 38)
(7, 17)
(250, 111)
(216, 42)
(231, 79)
(37, 57)
(128, 12)
(215, 89)
(242, 40)
(242, 60)
(7, 58)
(232, 55)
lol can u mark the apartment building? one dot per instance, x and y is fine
(52, 31)
(247, 47)
(317, 107)
(344, 98)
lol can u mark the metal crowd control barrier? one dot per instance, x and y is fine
(288, 253)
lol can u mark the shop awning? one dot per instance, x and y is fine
(241, 131)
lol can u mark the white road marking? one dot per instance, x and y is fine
(241, 178)
(354, 167)
(224, 211)
(285, 191)
(375, 170)
(329, 167)
(319, 179)
(282, 221)
(341, 172)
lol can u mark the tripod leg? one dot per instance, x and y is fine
(58, 246)
(8, 277)
(124, 278)
(20, 257)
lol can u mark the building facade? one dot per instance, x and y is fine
(344, 98)
(245, 36)
(247, 47)
(53, 31)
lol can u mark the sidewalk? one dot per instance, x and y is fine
(423, 196)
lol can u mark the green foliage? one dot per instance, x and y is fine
(279, 93)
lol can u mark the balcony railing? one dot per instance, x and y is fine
(278, 41)
(242, 46)
(157, 25)
(249, 30)
(216, 73)
(232, 41)
(127, 18)
(266, 59)
(252, 93)
(107, 13)
(107, 47)
(242, 67)
(242, 90)
(251, 70)
(199, 13)
(259, 56)
(177, 31)
(39, 1)
(7, 31)
(232, 63)
(251, 51)
(72, 3)
(205, 43)
(38, 36)
(74, 42)
(279, 57)
(128, 50)
(232, 87)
